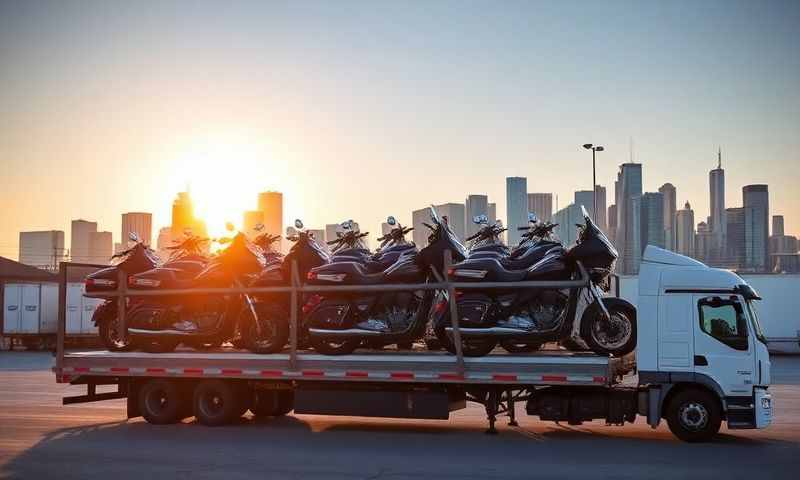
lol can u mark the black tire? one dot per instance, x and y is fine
(512, 346)
(572, 345)
(473, 347)
(617, 336)
(274, 332)
(108, 330)
(694, 415)
(218, 402)
(161, 345)
(272, 403)
(161, 401)
(334, 347)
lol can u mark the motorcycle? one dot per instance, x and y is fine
(159, 324)
(338, 323)
(606, 325)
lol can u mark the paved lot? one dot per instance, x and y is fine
(39, 438)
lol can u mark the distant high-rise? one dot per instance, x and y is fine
(271, 203)
(183, 219)
(140, 223)
(250, 220)
(101, 247)
(492, 212)
(475, 205)
(684, 225)
(585, 198)
(717, 224)
(612, 221)
(777, 225)
(628, 200)
(79, 240)
(516, 207)
(756, 211)
(454, 213)
(163, 241)
(670, 209)
(703, 242)
(43, 249)
(735, 238)
(600, 194)
(567, 218)
(541, 204)
(652, 220)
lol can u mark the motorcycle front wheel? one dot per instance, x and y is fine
(613, 336)
(110, 335)
(270, 334)
(473, 347)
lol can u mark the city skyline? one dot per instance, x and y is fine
(271, 97)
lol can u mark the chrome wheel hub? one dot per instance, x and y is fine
(694, 416)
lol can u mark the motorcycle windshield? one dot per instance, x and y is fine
(440, 239)
(307, 253)
(136, 259)
(593, 248)
(241, 257)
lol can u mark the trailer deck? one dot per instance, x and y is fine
(540, 368)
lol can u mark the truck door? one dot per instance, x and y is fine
(723, 349)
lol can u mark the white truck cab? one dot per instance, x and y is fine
(702, 355)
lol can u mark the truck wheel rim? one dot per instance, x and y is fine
(694, 416)
(157, 401)
(212, 404)
(614, 333)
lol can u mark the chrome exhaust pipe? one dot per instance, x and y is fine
(350, 332)
(489, 332)
(160, 333)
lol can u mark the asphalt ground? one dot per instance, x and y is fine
(40, 438)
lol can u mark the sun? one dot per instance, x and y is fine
(224, 176)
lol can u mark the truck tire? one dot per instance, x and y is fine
(218, 402)
(272, 403)
(694, 415)
(616, 336)
(161, 402)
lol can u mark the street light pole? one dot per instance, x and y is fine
(594, 149)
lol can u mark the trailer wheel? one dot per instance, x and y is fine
(694, 415)
(218, 402)
(161, 402)
(272, 403)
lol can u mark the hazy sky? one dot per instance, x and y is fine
(364, 109)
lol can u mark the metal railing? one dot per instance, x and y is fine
(443, 282)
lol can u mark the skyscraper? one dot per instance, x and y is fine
(600, 195)
(271, 203)
(670, 209)
(652, 220)
(79, 240)
(735, 238)
(101, 247)
(628, 194)
(612, 222)
(516, 207)
(542, 205)
(163, 241)
(492, 212)
(44, 249)
(703, 242)
(475, 205)
(684, 224)
(777, 225)
(251, 219)
(567, 218)
(756, 211)
(183, 219)
(140, 223)
(585, 198)
(717, 224)
(454, 212)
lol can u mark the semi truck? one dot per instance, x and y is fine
(701, 360)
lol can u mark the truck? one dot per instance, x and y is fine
(701, 359)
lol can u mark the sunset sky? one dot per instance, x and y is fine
(365, 109)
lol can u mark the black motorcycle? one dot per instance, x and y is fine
(607, 325)
(338, 323)
(159, 324)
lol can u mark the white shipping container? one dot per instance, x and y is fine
(48, 319)
(12, 300)
(80, 310)
(21, 308)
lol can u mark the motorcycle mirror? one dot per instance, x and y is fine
(134, 237)
(391, 221)
(298, 224)
(258, 227)
(532, 217)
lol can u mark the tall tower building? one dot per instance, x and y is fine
(183, 219)
(628, 194)
(612, 222)
(516, 207)
(79, 248)
(454, 212)
(42, 249)
(492, 212)
(756, 211)
(717, 224)
(140, 223)
(684, 226)
(271, 203)
(541, 204)
(475, 205)
(101, 247)
(251, 219)
(735, 238)
(670, 209)
(600, 195)
(652, 220)
(703, 242)
(163, 241)
(585, 198)
(777, 225)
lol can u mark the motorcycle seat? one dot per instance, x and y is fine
(355, 273)
(496, 272)
(530, 258)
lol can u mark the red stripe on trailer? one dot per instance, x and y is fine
(357, 374)
(504, 377)
(155, 370)
(451, 376)
(231, 371)
(120, 369)
(193, 371)
(271, 373)
(554, 378)
(313, 373)
(599, 379)
(81, 369)
(402, 374)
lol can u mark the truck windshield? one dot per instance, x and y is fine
(751, 310)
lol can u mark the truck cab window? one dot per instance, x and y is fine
(724, 319)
